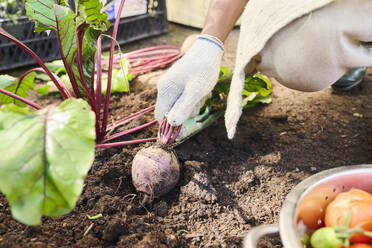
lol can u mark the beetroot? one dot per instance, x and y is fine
(155, 171)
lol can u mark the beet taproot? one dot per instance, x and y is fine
(155, 171)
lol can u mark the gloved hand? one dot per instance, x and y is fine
(314, 51)
(183, 90)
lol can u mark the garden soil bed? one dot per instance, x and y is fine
(226, 187)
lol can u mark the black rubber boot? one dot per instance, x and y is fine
(351, 79)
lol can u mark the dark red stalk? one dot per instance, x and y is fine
(140, 61)
(150, 64)
(138, 66)
(151, 49)
(39, 69)
(79, 57)
(161, 128)
(129, 131)
(68, 67)
(28, 102)
(108, 91)
(136, 62)
(124, 143)
(169, 131)
(168, 134)
(36, 58)
(130, 118)
(98, 99)
(148, 59)
(160, 64)
(93, 77)
(136, 54)
(20, 79)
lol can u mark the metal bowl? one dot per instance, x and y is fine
(290, 226)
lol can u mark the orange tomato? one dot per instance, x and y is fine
(359, 204)
(311, 210)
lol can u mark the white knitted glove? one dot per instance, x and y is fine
(183, 90)
(314, 51)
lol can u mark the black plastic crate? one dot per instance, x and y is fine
(22, 29)
(11, 56)
(133, 28)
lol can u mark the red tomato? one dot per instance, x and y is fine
(311, 209)
(360, 245)
(359, 204)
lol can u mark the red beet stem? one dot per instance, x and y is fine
(125, 143)
(140, 51)
(130, 118)
(167, 134)
(161, 128)
(158, 65)
(136, 61)
(148, 59)
(129, 131)
(147, 54)
(143, 60)
(19, 98)
(109, 78)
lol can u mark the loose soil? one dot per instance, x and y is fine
(226, 187)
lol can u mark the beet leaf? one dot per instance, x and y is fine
(15, 86)
(257, 89)
(66, 31)
(42, 13)
(90, 12)
(54, 152)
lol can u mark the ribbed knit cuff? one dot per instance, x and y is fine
(212, 39)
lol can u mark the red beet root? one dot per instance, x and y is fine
(155, 171)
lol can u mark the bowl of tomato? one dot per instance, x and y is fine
(331, 209)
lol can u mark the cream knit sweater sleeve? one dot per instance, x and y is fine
(260, 21)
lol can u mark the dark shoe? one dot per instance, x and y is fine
(350, 79)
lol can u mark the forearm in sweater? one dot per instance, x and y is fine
(222, 16)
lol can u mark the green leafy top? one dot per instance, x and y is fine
(41, 11)
(59, 18)
(257, 89)
(14, 86)
(34, 176)
(66, 27)
(90, 12)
